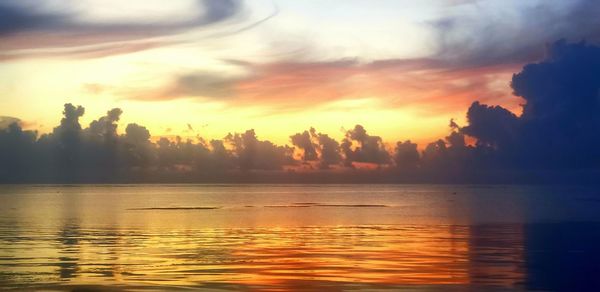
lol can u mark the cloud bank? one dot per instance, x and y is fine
(555, 139)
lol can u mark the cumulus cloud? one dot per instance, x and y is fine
(68, 134)
(329, 149)
(16, 150)
(99, 152)
(560, 124)
(562, 112)
(252, 153)
(105, 128)
(493, 126)
(406, 155)
(304, 141)
(318, 147)
(358, 146)
(137, 146)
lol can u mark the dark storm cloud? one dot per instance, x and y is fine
(492, 125)
(560, 124)
(480, 33)
(562, 87)
(562, 110)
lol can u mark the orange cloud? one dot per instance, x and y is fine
(431, 85)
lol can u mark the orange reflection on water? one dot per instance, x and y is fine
(371, 255)
(289, 258)
(289, 239)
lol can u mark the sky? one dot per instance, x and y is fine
(402, 69)
(450, 91)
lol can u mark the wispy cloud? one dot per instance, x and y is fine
(432, 84)
(59, 31)
(483, 33)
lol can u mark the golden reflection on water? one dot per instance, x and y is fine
(287, 258)
(318, 238)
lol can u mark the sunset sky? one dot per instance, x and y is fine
(402, 69)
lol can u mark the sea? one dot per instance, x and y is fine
(263, 237)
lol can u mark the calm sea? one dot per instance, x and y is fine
(299, 237)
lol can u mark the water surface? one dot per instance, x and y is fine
(296, 237)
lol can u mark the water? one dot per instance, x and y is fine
(299, 237)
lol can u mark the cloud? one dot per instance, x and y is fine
(318, 147)
(137, 134)
(199, 84)
(7, 121)
(17, 17)
(83, 52)
(555, 140)
(493, 126)
(358, 146)
(329, 149)
(564, 85)
(562, 112)
(16, 149)
(105, 128)
(252, 153)
(22, 16)
(94, 88)
(139, 150)
(304, 141)
(483, 33)
(433, 86)
(69, 130)
(406, 155)
(560, 124)
(60, 31)
(479, 44)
